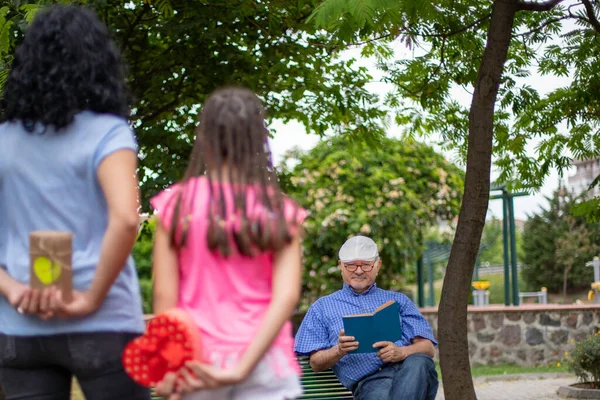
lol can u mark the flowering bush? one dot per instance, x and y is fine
(392, 193)
(584, 360)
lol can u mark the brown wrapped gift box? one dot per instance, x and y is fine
(51, 254)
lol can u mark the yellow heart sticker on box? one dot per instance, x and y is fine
(46, 271)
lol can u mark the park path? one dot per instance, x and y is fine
(519, 387)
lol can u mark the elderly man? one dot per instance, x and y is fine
(403, 370)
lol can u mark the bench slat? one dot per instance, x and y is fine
(316, 386)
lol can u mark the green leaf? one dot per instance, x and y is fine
(5, 31)
(31, 11)
(329, 12)
(362, 11)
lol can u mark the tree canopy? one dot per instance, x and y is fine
(178, 51)
(489, 50)
(448, 39)
(392, 193)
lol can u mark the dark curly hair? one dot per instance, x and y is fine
(67, 63)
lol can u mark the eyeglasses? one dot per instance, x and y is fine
(364, 268)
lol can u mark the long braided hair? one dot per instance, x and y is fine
(232, 146)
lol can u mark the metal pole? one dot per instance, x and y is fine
(420, 282)
(505, 247)
(431, 277)
(596, 264)
(513, 251)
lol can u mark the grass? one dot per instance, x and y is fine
(496, 290)
(510, 369)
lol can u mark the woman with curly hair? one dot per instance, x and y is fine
(68, 160)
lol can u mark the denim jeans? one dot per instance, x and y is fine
(415, 378)
(42, 368)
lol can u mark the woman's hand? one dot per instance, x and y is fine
(16, 293)
(41, 303)
(82, 304)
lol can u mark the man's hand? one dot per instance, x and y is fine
(346, 344)
(389, 352)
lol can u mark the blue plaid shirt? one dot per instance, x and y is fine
(323, 321)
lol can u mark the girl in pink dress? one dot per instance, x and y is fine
(227, 251)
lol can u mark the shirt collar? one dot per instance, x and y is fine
(349, 290)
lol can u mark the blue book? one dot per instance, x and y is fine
(381, 325)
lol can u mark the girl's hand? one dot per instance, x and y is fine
(198, 376)
(166, 387)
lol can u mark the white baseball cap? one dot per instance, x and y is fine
(358, 248)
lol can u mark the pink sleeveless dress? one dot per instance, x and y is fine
(226, 297)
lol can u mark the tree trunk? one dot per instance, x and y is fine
(452, 325)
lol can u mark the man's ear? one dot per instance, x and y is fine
(378, 265)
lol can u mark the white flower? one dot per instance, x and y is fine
(319, 205)
(366, 229)
(397, 181)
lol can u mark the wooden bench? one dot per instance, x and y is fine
(322, 385)
(316, 386)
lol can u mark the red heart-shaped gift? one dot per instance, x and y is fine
(171, 339)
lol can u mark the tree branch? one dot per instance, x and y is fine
(440, 35)
(166, 107)
(545, 24)
(132, 27)
(375, 39)
(589, 9)
(543, 6)
(460, 30)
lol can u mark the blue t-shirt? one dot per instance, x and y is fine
(48, 182)
(323, 321)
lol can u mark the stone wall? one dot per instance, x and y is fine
(528, 335)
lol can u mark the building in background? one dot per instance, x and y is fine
(586, 172)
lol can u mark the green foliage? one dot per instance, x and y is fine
(392, 193)
(492, 243)
(554, 241)
(589, 209)
(496, 288)
(584, 361)
(574, 243)
(178, 51)
(142, 254)
(449, 37)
